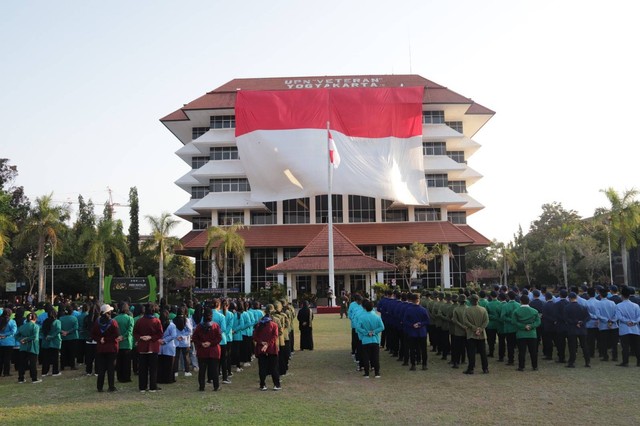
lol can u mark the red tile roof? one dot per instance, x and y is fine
(225, 95)
(361, 234)
(346, 256)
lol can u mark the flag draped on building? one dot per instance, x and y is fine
(282, 139)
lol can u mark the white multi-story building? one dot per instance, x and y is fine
(220, 193)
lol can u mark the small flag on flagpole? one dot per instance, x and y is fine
(334, 156)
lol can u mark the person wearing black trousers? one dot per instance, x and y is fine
(106, 333)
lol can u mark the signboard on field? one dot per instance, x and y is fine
(136, 289)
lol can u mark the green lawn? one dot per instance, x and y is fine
(323, 388)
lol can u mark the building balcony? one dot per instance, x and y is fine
(226, 200)
(217, 169)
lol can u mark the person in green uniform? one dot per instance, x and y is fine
(493, 309)
(69, 332)
(509, 327)
(29, 337)
(476, 320)
(51, 342)
(459, 332)
(125, 322)
(526, 320)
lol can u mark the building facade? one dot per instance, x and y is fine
(219, 192)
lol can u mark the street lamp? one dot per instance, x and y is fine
(52, 252)
(607, 224)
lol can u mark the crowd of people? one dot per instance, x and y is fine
(594, 320)
(216, 338)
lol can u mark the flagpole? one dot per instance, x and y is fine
(330, 208)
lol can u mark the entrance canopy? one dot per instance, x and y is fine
(347, 257)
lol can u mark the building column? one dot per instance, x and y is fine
(291, 290)
(380, 256)
(247, 271)
(347, 283)
(280, 259)
(445, 274)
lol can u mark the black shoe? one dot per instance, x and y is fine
(467, 372)
(614, 359)
(587, 365)
(100, 390)
(413, 368)
(500, 359)
(455, 366)
(520, 369)
(510, 363)
(622, 364)
(485, 371)
(535, 368)
(547, 358)
(490, 356)
(405, 364)
(570, 366)
(201, 389)
(424, 367)
(113, 389)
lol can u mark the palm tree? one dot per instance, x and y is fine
(224, 243)
(43, 224)
(623, 220)
(105, 239)
(162, 242)
(6, 226)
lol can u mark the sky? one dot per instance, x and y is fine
(84, 84)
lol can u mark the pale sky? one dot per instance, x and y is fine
(84, 84)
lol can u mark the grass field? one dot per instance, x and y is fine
(323, 388)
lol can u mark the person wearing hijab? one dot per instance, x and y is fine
(206, 339)
(123, 359)
(167, 349)
(51, 342)
(147, 333)
(184, 330)
(28, 336)
(265, 337)
(8, 329)
(305, 321)
(69, 332)
(106, 333)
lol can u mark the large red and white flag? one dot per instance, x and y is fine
(282, 142)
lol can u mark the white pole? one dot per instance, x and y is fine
(52, 273)
(330, 208)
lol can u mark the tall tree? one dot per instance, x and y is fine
(43, 225)
(134, 225)
(6, 228)
(104, 241)
(412, 261)
(162, 242)
(226, 246)
(623, 218)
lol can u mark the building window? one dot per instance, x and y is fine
(218, 153)
(455, 125)
(427, 214)
(457, 156)
(432, 117)
(457, 267)
(290, 253)
(439, 180)
(196, 132)
(296, 211)
(458, 186)
(208, 276)
(268, 217)
(261, 259)
(223, 121)
(458, 218)
(197, 162)
(322, 208)
(362, 209)
(198, 192)
(369, 251)
(230, 218)
(201, 222)
(230, 185)
(434, 148)
(393, 215)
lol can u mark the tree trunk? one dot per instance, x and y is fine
(224, 279)
(161, 274)
(625, 261)
(101, 282)
(41, 277)
(564, 270)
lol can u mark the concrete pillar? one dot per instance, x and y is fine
(446, 270)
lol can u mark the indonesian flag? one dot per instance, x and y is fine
(334, 155)
(282, 142)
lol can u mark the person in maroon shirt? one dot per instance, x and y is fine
(147, 334)
(206, 338)
(106, 333)
(265, 336)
